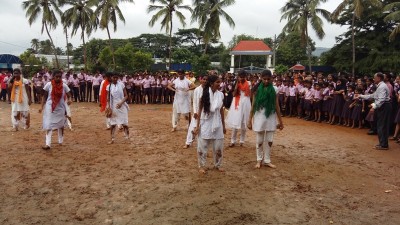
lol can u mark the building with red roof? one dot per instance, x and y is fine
(251, 48)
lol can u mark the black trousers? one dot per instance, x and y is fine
(3, 95)
(96, 90)
(76, 93)
(383, 116)
(82, 91)
(89, 92)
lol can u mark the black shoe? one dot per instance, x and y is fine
(378, 147)
(371, 132)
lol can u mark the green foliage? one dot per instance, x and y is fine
(142, 61)
(281, 69)
(374, 51)
(124, 58)
(31, 64)
(105, 57)
(201, 65)
(182, 55)
(290, 51)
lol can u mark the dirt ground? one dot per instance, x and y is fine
(325, 175)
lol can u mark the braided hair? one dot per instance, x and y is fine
(205, 99)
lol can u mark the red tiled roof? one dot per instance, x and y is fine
(298, 67)
(251, 46)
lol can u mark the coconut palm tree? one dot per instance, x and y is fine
(79, 16)
(394, 15)
(108, 11)
(165, 11)
(35, 44)
(48, 9)
(357, 7)
(299, 15)
(208, 13)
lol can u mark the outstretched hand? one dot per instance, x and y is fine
(249, 125)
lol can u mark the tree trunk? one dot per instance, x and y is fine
(205, 47)
(170, 44)
(84, 49)
(308, 49)
(354, 44)
(111, 47)
(67, 50)
(52, 44)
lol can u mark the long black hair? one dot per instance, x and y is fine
(205, 99)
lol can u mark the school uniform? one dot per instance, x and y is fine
(181, 105)
(347, 111)
(317, 100)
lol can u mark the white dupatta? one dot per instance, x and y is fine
(216, 101)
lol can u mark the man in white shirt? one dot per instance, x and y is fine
(382, 106)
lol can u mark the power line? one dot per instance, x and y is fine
(14, 44)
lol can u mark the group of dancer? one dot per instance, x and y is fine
(256, 102)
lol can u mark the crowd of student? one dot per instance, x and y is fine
(253, 101)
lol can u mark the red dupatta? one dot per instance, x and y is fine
(245, 87)
(56, 94)
(103, 96)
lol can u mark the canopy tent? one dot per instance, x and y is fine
(8, 61)
(251, 48)
(297, 67)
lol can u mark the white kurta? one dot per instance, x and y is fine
(24, 105)
(119, 116)
(262, 123)
(55, 119)
(211, 124)
(182, 96)
(237, 117)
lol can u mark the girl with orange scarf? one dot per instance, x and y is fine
(239, 111)
(53, 108)
(103, 96)
(20, 100)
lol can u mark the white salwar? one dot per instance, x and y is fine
(197, 93)
(181, 105)
(237, 117)
(119, 116)
(265, 129)
(21, 108)
(211, 131)
(54, 119)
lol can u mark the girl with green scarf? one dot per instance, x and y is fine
(265, 118)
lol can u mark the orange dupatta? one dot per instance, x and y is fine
(103, 96)
(56, 93)
(19, 84)
(245, 87)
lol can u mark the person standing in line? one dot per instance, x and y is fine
(53, 108)
(198, 92)
(265, 118)
(211, 125)
(382, 107)
(181, 106)
(239, 111)
(21, 99)
(116, 101)
(89, 87)
(82, 85)
(97, 79)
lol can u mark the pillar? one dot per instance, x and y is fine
(232, 70)
(269, 61)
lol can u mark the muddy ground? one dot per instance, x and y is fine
(325, 175)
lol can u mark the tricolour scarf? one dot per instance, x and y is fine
(56, 94)
(103, 96)
(265, 99)
(245, 87)
(16, 84)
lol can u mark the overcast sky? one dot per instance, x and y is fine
(260, 18)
